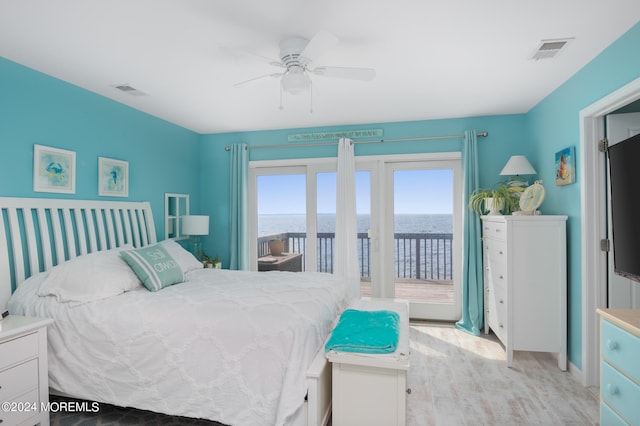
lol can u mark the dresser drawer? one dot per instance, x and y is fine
(620, 393)
(608, 417)
(19, 349)
(500, 328)
(495, 251)
(19, 379)
(495, 275)
(621, 349)
(497, 230)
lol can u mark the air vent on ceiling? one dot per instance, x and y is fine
(126, 88)
(550, 48)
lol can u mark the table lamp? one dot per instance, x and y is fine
(195, 226)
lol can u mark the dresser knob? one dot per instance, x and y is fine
(612, 389)
(612, 345)
(501, 277)
(501, 301)
(500, 252)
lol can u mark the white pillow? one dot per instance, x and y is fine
(185, 259)
(90, 277)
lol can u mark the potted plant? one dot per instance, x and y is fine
(217, 264)
(205, 259)
(276, 247)
(501, 198)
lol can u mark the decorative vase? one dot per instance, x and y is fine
(494, 207)
(276, 247)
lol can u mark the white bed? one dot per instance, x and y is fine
(241, 348)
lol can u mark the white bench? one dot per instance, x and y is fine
(371, 389)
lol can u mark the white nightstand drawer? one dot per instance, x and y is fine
(20, 408)
(19, 349)
(19, 379)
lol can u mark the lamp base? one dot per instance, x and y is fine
(196, 248)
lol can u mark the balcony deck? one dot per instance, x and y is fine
(429, 291)
(423, 262)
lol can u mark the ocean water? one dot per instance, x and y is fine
(413, 257)
(403, 223)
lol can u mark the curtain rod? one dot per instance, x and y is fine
(424, 138)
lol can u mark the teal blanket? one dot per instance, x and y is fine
(370, 332)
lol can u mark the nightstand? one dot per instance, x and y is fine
(24, 382)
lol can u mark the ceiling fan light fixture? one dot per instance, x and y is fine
(295, 82)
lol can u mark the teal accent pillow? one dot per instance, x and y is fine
(154, 266)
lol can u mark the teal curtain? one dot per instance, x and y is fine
(472, 320)
(239, 208)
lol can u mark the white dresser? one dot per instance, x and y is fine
(525, 283)
(619, 366)
(24, 383)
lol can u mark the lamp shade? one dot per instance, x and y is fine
(518, 165)
(195, 225)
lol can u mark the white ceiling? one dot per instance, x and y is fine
(434, 59)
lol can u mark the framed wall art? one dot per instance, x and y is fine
(566, 166)
(54, 170)
(113, 177)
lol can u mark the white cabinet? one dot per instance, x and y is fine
(24, 383)
(370, 390)
(525, 283)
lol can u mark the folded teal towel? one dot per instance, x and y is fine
(370, 332)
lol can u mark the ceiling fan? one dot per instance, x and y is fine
(297, 59)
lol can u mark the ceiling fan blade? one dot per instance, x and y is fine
(252, 55)
(278, 74)
(321, 43)
(364, 74)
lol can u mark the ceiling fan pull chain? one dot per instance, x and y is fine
(281, 107)
(311, 98)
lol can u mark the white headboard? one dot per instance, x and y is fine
(39, 233)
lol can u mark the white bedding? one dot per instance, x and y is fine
(225, 345)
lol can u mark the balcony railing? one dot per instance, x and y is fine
(420, 256)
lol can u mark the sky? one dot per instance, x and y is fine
(416, 192)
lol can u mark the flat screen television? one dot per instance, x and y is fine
(624, 175)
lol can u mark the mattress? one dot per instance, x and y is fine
(228, 346)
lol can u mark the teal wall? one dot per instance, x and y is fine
(506, 138)
(39, 109)
(553, 125)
